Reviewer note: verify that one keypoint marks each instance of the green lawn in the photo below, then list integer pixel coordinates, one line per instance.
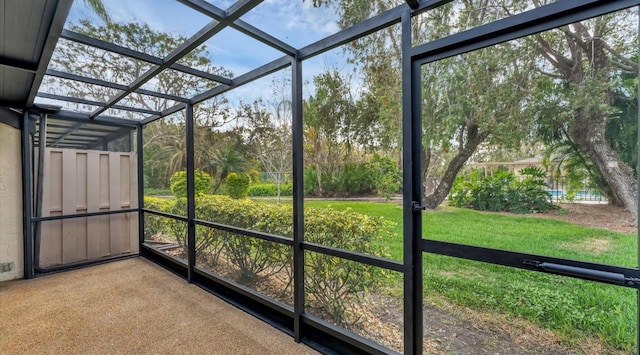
(574, 308)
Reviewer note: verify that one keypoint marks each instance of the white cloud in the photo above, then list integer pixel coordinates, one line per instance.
(165, 16)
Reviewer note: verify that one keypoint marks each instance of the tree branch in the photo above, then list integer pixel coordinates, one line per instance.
(555, 76)
(630, 63)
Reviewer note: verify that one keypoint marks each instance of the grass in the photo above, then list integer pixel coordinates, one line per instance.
(575, 309)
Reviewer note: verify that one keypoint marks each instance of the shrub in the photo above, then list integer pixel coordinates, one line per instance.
(355, 179)
(254, 258)
(460, 194)
(157, 192)
(311, 183)
(380, 176)
(334, 286)
(178, 229)
(529, 195)
(258, 190)
(202, 186)
(262, 190)
(163, 228)
(503, 192)
(155, 226)
(237, 185)
(157, 203)
(385, 176)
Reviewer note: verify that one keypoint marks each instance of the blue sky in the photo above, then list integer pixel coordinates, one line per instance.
(295, 22)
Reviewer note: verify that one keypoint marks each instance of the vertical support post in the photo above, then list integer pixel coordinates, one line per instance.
(37, 227)
(27, 206)
(130, 141)
(412, 193)
(638, 197)
(140, 153)
(191, 203)
(417, 193)
(298, 197)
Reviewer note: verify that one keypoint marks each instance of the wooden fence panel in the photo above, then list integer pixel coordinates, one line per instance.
(88, 181)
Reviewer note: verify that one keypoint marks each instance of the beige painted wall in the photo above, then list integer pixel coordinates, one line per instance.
(11, 241)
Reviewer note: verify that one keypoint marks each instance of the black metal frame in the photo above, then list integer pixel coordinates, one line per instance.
(32, 192)
(302, 326)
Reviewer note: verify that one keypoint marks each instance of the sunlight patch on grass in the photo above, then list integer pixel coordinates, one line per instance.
(595, 246)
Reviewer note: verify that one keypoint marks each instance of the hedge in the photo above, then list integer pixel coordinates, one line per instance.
(269, 190)
(334, 287)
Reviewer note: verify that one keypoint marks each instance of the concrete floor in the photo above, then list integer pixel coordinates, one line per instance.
(127, 307)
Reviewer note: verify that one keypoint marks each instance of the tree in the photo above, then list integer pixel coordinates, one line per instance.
(570, 161)
(468, 100)
(276, 150)
(583, 60)
(622, 129)
(98, 7)
(270, 132)
(328, 119)
(226, 160)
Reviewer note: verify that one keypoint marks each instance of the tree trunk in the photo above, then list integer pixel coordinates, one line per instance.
(619, 176)
(588, 131)
(473, 140)
(589, 123)
(426, 162)
(319, 179)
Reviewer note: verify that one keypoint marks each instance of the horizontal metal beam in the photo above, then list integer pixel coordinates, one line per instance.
(85, 79)
(264, 300)
(111, 137)
(95, 103)
(64, 136)
(165, 113)
(354, 256)
(84, 118)
(10, 117)
(540, 19)
(358, 343)
(108, 84)
(175, 264)
(255, 74)
(364, 28)
(18, 104)
(19, 65)
(246, 232)
(107, 46)
(239, 9)
(519, 260)
(81, 264)
(243, 27)
(61, 126)
(166, 215)
(78, 139)
(82, 215)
